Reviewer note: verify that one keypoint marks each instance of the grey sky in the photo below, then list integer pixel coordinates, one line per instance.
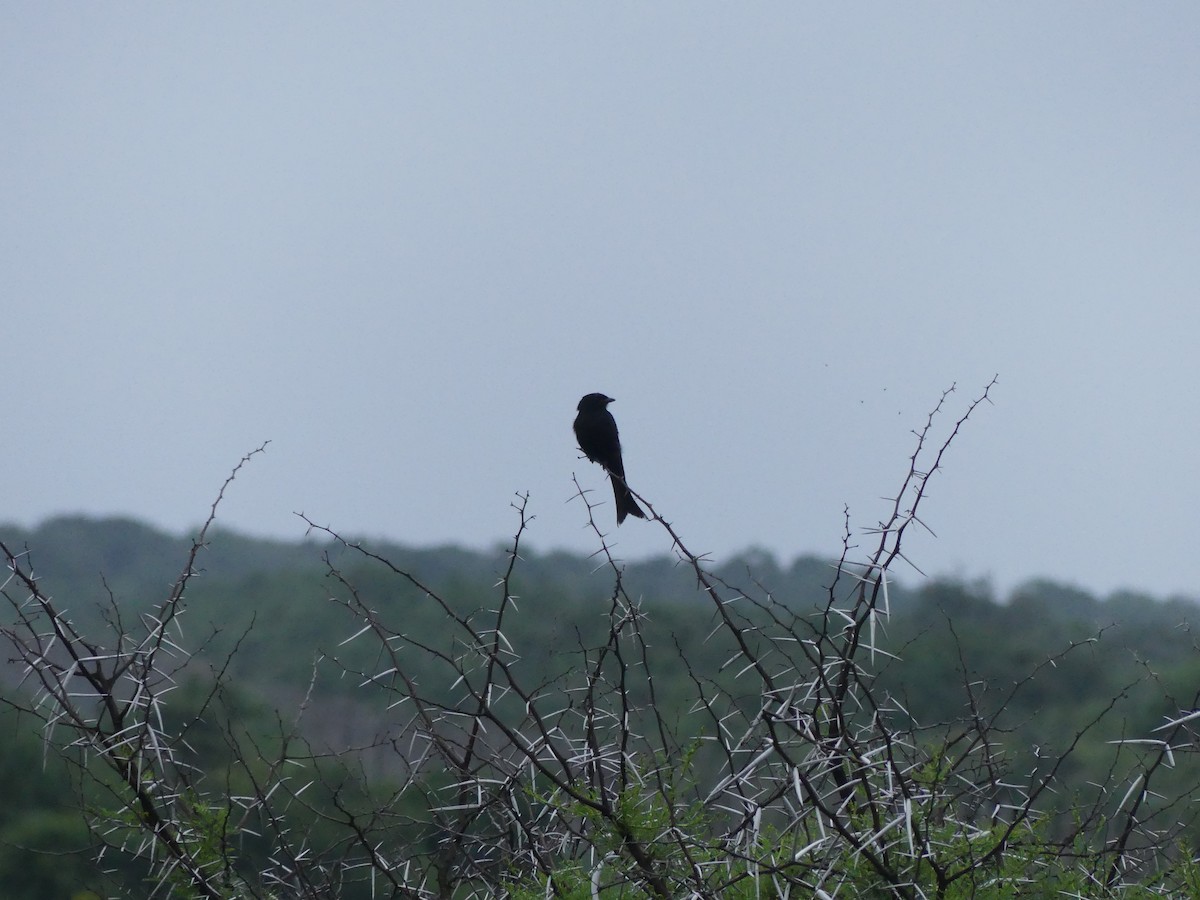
(401, 240)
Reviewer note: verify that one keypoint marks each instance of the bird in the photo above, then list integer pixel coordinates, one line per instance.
(596, 431)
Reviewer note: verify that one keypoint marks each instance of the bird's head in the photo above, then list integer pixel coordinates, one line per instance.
(591, 402)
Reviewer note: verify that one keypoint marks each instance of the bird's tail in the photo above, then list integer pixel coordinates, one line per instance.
(626, 505)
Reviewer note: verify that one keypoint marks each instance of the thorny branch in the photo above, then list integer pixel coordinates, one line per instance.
(792, 773)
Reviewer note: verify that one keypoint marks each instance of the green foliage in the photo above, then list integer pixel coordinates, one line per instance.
(45, 853)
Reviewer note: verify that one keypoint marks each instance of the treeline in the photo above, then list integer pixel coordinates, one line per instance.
(271, 618)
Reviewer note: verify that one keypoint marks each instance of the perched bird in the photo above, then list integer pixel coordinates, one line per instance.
(596, 431)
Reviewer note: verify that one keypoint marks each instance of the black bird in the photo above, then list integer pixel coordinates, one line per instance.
(596, 431)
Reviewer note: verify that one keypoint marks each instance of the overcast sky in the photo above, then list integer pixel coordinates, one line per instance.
(400, 240)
